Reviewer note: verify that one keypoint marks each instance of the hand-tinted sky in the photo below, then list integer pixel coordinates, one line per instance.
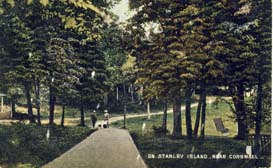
(122, 10)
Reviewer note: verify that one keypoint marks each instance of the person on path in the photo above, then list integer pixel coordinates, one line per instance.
(106, 119)
(94, 118)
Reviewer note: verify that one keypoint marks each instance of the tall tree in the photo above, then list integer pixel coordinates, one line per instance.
(208, 57)
(92, 83)
(239, 59)
(114, 41)
(60, 61)
(16, 49)
(262, 12)
(165, 70)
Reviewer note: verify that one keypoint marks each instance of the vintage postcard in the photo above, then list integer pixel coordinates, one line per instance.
(135, 84)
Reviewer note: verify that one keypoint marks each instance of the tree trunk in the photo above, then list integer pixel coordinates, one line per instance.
(124, 105)
(62, 120)
(259, 103)
(241, 113)
(13, 109)
(29, 105)
(117, 95)
(124, 114)
(177, 129)
(148, 110)
(198, 113)
(188, 112)
(105, 99)
(203, 115)
(82, 116)
(38, 102)
(133, 93)
(51, 106)
(164, 120)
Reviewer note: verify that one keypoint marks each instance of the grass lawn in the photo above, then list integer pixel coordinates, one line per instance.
(26, 146)
(150, 143)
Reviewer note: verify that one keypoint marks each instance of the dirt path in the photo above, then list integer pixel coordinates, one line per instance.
(114, 119)
(73, 121)
(106, 148)
(210, 100)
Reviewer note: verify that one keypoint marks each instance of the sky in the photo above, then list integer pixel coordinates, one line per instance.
(122, 10)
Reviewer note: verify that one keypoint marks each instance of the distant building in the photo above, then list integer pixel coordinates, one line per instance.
(2, 95)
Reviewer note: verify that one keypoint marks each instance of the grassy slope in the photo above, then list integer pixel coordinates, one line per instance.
(150, 143)
(26, 145)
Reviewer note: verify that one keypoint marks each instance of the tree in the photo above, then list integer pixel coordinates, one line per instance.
(239, 59)
(92, 82)
(181, 54)
(155, 72)
(113, 39)
(207, 57)
(60, 66)
(16, 49)
(41, 27)
(261, 11)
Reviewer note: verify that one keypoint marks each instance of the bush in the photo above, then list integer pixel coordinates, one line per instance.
(159, 130)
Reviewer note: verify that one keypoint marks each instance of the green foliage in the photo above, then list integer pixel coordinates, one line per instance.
(182, 52)
(27, 144)
(115, 56)
(218, 43)
(15, 49)
(92, 82)
(55, 44)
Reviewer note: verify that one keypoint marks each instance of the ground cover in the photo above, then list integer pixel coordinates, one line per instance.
(23, 145)
(151, 144)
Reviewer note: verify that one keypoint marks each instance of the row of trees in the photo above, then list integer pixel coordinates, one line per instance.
(169, 48)
(195, 45)
(57, 48)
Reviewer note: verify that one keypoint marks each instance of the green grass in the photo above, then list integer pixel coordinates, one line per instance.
(148, 142)
(24, 145)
